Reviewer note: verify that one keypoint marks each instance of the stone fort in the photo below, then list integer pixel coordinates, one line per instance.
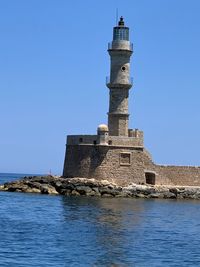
(117, 153)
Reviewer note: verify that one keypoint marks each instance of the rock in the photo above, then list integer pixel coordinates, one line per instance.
(75, 193)
(156, 195)
(83, 190)
(32, 190)
(48, 189)
(131, 191)
(178, 197)
(2, 187)
(81, 182)
(65, 186)
(106, 195)
(96, 191)
(174, 191)
(107, 190)
(17, 188)
(123, 194)
(57, 185)
(126, 193)
(92, 194)
(105, 182)
(140, 195)
(170, 195)
(65, 192)
(33, 184)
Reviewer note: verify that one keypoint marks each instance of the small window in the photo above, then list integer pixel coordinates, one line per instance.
(125, 159)
(123, 68)
(94, 142)
(110, 142)
(81, 140)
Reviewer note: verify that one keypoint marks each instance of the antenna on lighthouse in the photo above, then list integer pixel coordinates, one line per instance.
(116, 15)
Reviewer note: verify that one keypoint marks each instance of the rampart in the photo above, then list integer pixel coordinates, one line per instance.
(135, 139)
(116, 164)
(122, 164)
(179, 175)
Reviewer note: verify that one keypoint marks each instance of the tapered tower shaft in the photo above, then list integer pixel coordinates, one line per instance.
(119, 82)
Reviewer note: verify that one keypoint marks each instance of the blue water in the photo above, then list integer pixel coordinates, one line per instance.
(43, 230)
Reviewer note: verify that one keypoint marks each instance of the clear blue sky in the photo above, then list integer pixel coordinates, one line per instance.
(53, 64)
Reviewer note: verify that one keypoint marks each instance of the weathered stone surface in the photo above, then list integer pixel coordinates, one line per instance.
(75, 193)
(32, 190)
(65, 192)
(107, 195)
(83, 190)
(48, 189)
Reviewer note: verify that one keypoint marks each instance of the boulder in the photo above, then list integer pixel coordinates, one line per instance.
(75, 193)
(48, 189)
(83, 190)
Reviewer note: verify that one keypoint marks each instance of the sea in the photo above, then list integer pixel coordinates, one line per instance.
(48, 230)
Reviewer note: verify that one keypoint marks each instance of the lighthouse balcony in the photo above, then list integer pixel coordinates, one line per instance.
(122, 83)
(120, 45)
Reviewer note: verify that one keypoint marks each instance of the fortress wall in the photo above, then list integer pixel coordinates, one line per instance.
(119, 165)
(150, 167)
(115, 140)
(124, 165)
(172, 175)
(179, 175)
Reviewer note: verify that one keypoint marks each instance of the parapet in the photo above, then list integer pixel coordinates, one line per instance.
(82, 139)
(135, 139)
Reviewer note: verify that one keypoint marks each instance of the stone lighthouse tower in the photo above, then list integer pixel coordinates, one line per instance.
(119, 82)
(115, 153)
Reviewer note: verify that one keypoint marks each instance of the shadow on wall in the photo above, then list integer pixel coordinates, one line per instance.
(97, 156)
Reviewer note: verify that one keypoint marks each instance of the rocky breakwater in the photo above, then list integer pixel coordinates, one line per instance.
(92, 187)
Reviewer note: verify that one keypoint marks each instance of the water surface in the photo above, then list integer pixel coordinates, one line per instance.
(43, 230)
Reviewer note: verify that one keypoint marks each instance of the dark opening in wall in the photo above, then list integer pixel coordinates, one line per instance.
(123, 68)
(80, 140)
(110, 142)
(150, 178)
(95, 142)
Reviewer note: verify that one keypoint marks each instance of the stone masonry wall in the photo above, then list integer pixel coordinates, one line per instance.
(179, 175)
(124, 165)
(172, 175)
(119, 165)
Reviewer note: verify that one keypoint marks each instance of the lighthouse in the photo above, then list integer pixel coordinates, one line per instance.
(115, 153)
(119, 82)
